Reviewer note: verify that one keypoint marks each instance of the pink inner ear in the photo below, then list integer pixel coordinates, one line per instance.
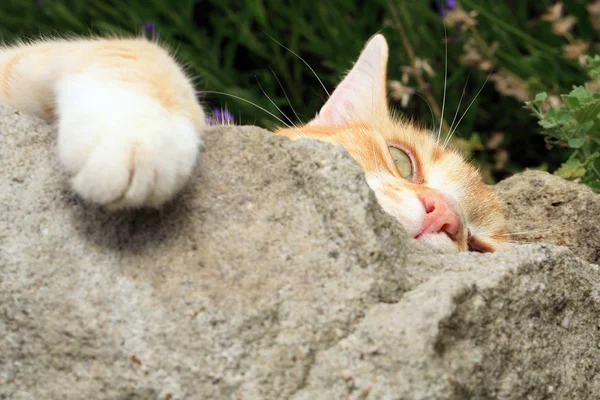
(339, 109)
(361, 96)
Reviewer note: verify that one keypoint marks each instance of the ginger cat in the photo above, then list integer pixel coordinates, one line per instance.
(130, 125)
(432, 191)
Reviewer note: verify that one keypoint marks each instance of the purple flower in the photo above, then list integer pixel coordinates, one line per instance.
(220, 116)
(40, 3)
(443, 7)
(150, 30)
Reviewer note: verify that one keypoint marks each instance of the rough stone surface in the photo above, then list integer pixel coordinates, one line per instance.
(553, 210)
(274, 275)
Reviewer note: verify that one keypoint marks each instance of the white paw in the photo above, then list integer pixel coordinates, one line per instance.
(123, 149)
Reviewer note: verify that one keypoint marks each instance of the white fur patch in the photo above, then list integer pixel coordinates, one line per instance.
(123, 148)
(439, 241)
(406, 207)
(437, 179)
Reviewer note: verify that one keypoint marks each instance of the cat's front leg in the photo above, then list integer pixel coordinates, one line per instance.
(129, 123)
(123, 148)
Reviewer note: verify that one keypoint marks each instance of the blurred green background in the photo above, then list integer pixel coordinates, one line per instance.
(520, 47)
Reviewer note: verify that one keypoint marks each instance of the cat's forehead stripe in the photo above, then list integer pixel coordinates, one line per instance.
(437, 154)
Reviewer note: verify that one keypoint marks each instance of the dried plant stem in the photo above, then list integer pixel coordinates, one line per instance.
(423, 86)
(479, 39)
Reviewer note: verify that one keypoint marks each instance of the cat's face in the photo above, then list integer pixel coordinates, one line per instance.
(438, 197)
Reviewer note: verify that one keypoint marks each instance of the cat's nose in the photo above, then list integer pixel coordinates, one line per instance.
(440, 215)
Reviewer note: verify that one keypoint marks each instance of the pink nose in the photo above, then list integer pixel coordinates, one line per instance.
(441, 215)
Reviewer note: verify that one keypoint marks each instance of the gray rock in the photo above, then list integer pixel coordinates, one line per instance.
(274, 275)
(553, 210)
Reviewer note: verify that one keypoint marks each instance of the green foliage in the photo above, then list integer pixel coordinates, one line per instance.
(576, 125)
(231, 47)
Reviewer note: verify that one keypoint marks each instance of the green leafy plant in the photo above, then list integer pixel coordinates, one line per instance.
(576, 125)
(499, 54)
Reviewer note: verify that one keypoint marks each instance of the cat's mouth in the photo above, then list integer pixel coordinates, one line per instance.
(451, 235)
(451, 243)
(419, 236)
(443, 241)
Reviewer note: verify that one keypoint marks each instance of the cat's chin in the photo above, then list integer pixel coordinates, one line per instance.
(439, 241)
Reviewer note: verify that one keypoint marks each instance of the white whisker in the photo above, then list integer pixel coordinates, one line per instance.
(275, 105)
(527, 232)
(459, 102)
(445, 82)
(467, 110)
(249, 102)
(433, 128)
(285, 94)
(301, 59)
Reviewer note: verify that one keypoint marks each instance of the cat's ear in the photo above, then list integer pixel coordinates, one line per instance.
(362, 95)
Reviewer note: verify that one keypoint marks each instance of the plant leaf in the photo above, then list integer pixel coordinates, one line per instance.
(576, 143)
(540, 97)
(571, 169)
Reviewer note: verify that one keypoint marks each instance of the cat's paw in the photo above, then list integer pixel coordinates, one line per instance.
(122, 148)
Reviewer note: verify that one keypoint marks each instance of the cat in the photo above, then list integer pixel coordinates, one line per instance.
(130, 126)
(439, 198)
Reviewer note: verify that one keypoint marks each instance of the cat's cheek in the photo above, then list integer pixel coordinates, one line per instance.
(407, 210)
(487, 244)
(441, 242)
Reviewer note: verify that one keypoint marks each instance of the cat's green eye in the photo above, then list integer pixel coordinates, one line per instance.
(402, 161)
